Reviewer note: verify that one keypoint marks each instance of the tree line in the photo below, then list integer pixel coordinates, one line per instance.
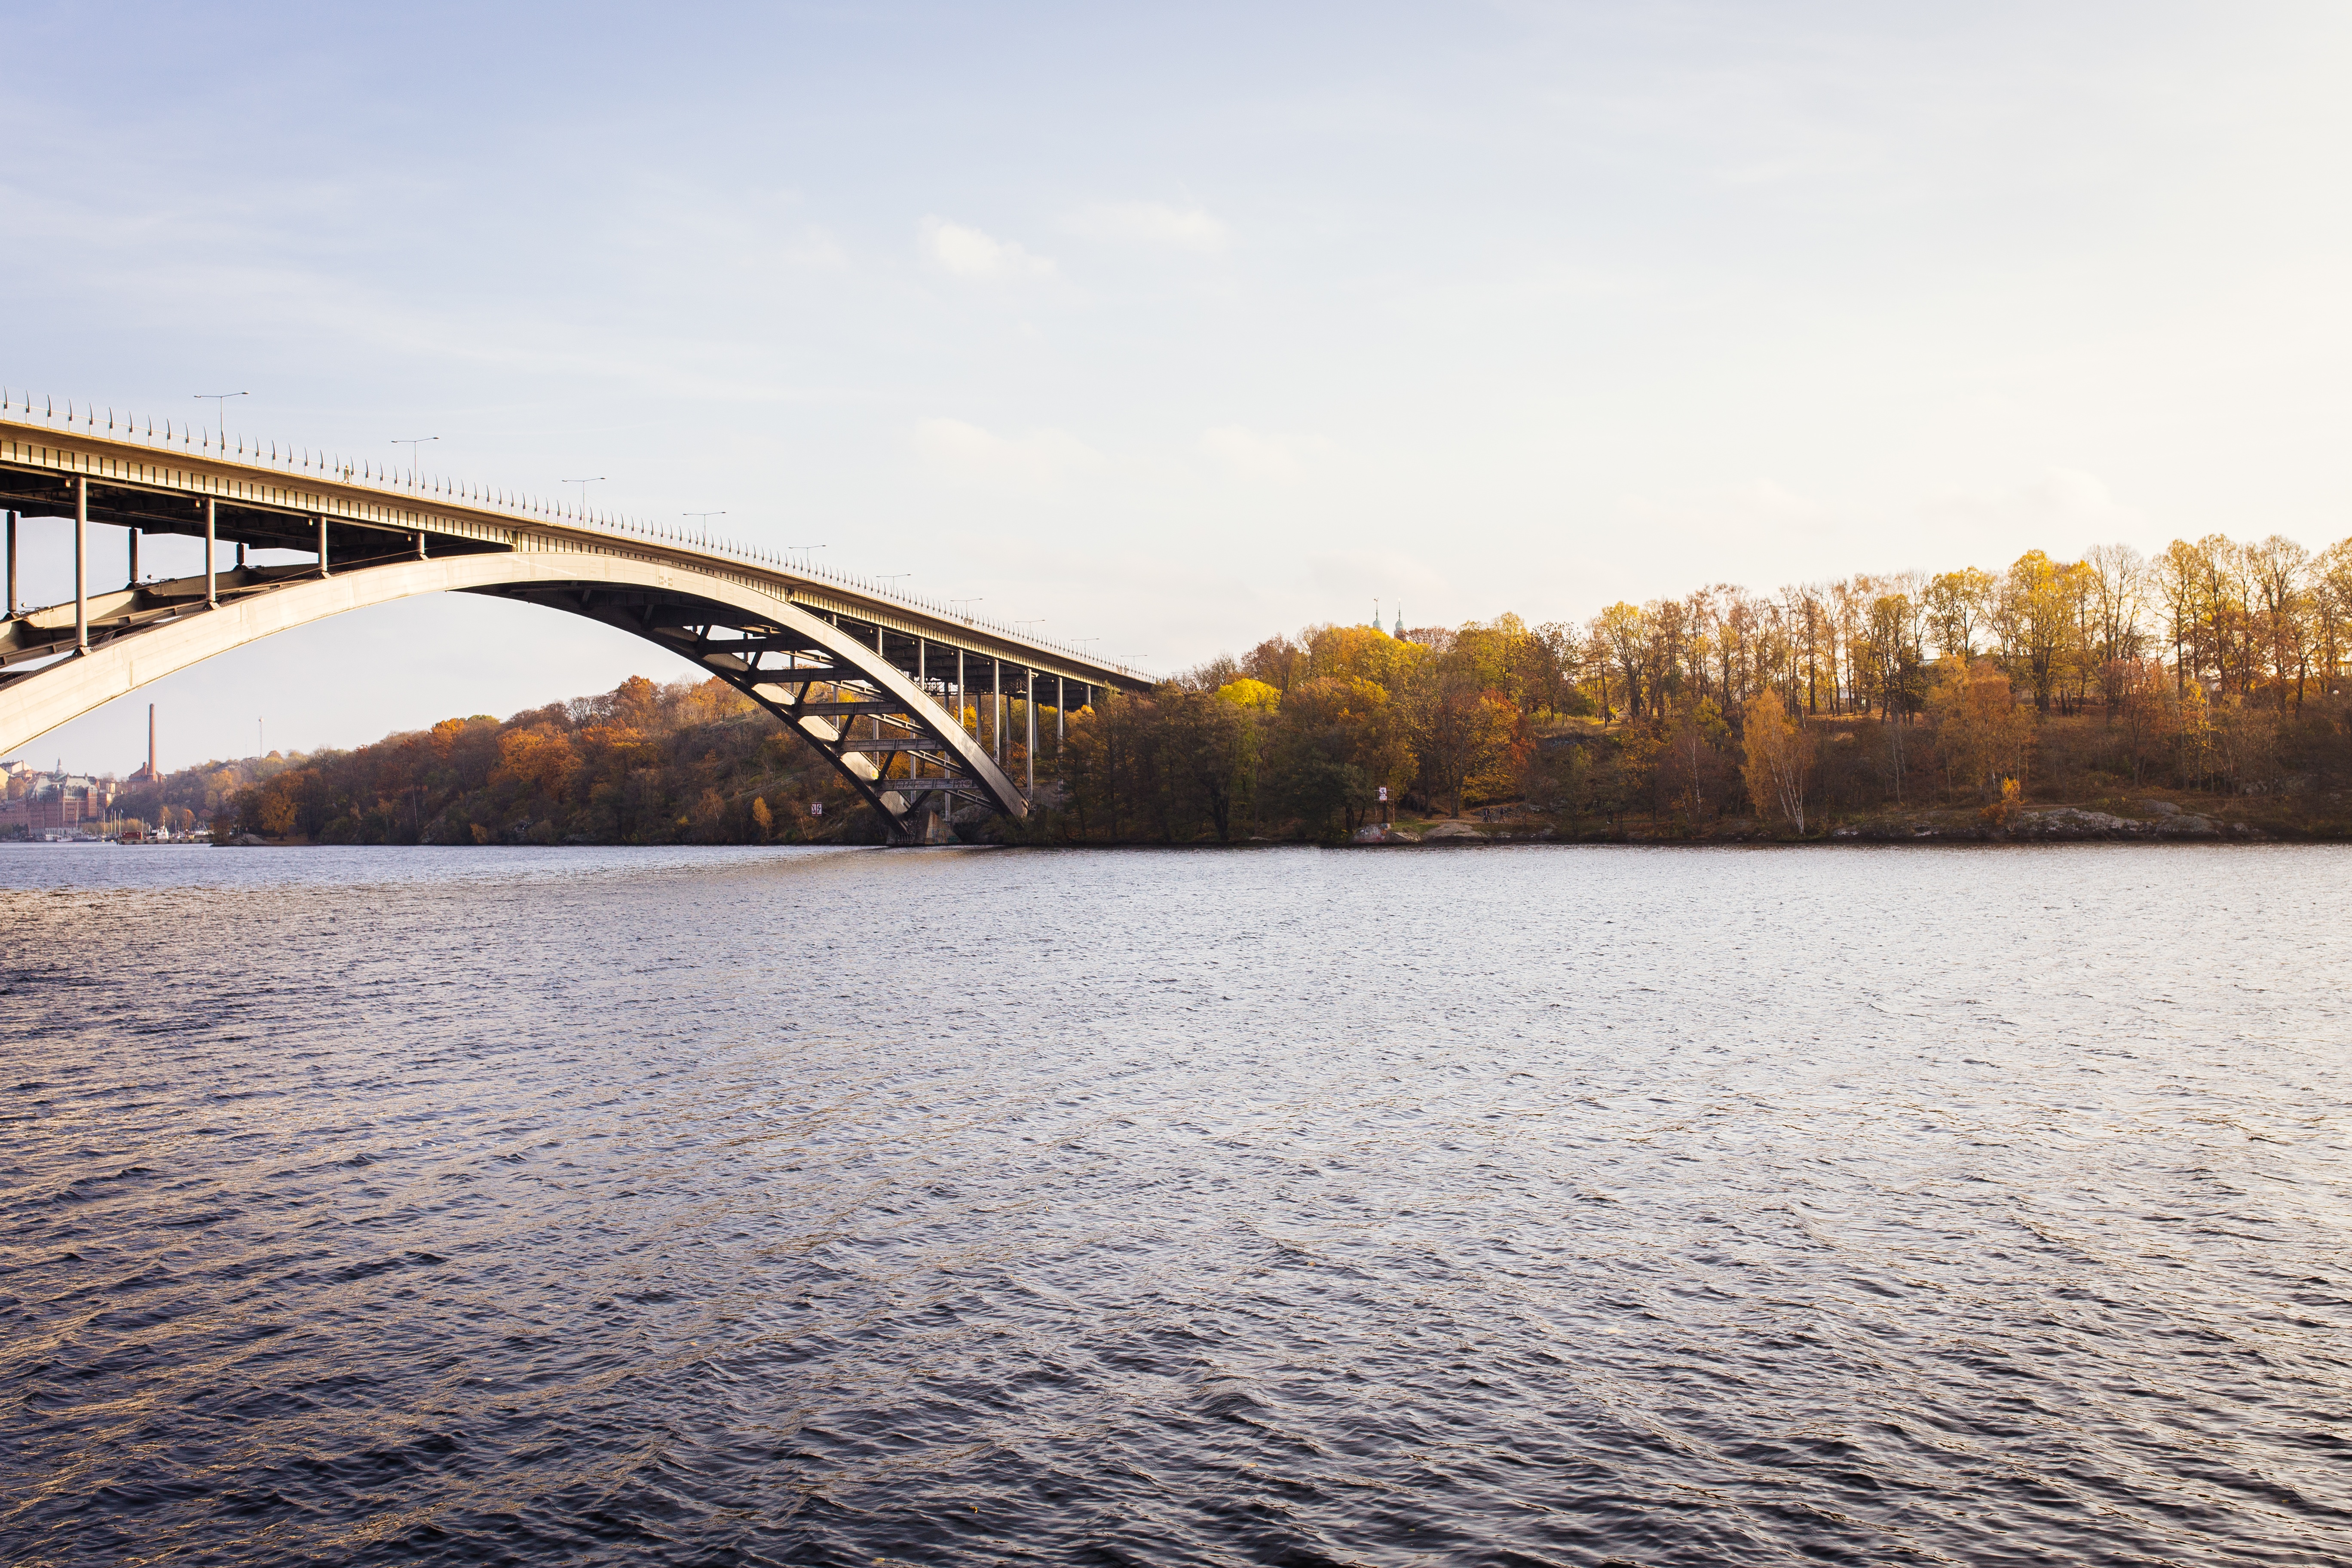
(687, 763)
(2213, 666)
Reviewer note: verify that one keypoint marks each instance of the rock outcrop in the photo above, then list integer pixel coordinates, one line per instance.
(2052, 825)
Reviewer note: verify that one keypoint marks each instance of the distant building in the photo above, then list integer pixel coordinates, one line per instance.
(40, 804)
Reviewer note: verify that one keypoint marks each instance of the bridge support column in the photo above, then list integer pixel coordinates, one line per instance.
(322, 545)
(420, 544)
(959, 690)
(1060, 711)
(996, 702)
(11, 565)
(212, 554)
(1029, 701)
(133, 581)
(81, 565)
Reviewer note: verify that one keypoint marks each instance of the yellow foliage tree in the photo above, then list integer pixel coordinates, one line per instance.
(1984, 735)
(1255, 695)
(1779, 762)
(540, 760)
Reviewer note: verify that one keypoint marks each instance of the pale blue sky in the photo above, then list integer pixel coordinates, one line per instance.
(1187, 325)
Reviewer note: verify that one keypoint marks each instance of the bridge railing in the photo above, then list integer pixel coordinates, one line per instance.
(200, 441)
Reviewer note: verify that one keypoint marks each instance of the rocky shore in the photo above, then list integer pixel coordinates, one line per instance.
(2149, 821)
(2050, 825)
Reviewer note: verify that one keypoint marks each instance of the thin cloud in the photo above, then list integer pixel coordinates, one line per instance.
(1254, 455)
(1153, 222)
(967, 252)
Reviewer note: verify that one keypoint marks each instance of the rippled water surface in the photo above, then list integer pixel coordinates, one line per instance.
(1514, 1205)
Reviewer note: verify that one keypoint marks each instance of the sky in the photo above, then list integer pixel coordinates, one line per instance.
(1180, 326)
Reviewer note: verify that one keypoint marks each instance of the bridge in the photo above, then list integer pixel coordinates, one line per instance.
(915, 706)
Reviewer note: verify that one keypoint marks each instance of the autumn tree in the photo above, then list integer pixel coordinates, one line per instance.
(2277, 566)
(1694, 759)
(1956, 603)
(1458, 730)
(2030, 612)
(1316, 773)
(2143, 707)
(1620, 640)
(1777, 759)
(1980, 731)
(2118, 579)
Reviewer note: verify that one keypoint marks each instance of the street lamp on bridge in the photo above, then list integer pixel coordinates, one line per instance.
(413, 443)
(220, 408)
(584, 485)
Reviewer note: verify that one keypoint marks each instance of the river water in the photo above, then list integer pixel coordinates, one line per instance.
(1506, 1205)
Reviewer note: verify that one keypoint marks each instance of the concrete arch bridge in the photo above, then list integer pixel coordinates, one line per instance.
(915, 706)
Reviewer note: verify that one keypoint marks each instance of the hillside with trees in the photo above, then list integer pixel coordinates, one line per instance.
(2210, 677)
(2212, 673)
(689, 762)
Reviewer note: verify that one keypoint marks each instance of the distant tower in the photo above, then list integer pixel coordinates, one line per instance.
(1399, 631)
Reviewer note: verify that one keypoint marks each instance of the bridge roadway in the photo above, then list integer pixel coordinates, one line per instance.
(911, 704)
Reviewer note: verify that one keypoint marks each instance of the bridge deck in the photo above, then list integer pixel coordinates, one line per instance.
(167, 484)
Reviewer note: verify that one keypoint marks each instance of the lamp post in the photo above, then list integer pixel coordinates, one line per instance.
(584, 485)
(413, 443)
(701, 517)
(220, 410)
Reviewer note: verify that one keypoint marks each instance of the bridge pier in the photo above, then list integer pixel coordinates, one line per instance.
(81, 565)
(212, 554)
(11, 565)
